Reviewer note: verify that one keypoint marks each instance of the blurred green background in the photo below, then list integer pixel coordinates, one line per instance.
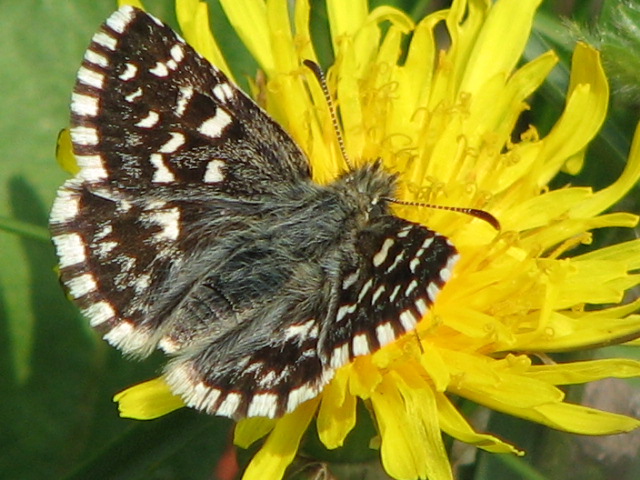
(57, 377)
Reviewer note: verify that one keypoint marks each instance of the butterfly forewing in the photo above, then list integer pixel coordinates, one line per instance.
(149, 114)
(148, 111)
(193, 226)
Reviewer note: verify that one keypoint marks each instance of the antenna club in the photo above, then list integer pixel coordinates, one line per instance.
(473, 212)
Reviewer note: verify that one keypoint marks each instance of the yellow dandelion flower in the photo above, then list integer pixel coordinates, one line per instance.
(443, 120)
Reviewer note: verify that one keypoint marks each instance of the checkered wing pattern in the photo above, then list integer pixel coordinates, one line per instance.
(193, 226)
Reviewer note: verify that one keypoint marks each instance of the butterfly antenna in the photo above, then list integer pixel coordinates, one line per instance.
(473, 212)
(317, 71)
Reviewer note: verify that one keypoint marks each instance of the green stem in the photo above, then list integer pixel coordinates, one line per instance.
(521, 467)
(24, 229)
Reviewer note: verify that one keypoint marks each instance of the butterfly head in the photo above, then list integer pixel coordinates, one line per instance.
(368, 187)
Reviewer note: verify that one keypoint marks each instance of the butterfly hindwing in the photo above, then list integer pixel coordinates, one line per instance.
(290, 347)
(385, 289)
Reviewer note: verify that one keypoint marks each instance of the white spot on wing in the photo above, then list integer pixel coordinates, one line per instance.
(149, 121)
(90, 77)
(263, 405)
(71, 249)
(207, 397)
(445, 273)
(299, 395)
(433, 291)
(169, 220)
(360, 345)
(339, 356)
(84, 105)
(96, 58)
(223, 92)
(132, 96)
(422, 306)
(302, 330)
(177, 52)
(175, 142)
(426, 244)
(268, 379)
(229, 405)
(66, 206)
(365, 289)
(142, 283)
(183, 99)
(214, 126)
(159, 70)
(104, 232)
(394, 293)
(413, 264)
(412, 286)
(162, 173)
(119, 20)
(381, 256)
(214, 173)
(128, 338)
(105, 248)
(91, 167)
(84, 135)
(408, 320)
(404, 232)
(396, 262)
(350, 279)
(105, 40)
(168, 345)
(385, 334)
(344, 310)
(81, 285)
(99, 313)
(376, 295)
(130, 72)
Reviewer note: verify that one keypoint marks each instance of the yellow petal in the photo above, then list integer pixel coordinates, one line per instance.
(565, 333)
(610, 195)
(411, 443)
(578, 419)
(303, 34)
(248, 430)
(282, 444)
(435, 366)
(364, 377)
(497, 383)
(454, 424)
(193, 17)
(415, 86)
(500, 42)
(345, 18)
(64, 153)
(587, 371)
(147, 400)
(282, 42)
(249, 20)
(628, 252)
(337, 414)
(589, 92)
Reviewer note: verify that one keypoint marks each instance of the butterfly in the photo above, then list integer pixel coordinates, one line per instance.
(194, 227)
